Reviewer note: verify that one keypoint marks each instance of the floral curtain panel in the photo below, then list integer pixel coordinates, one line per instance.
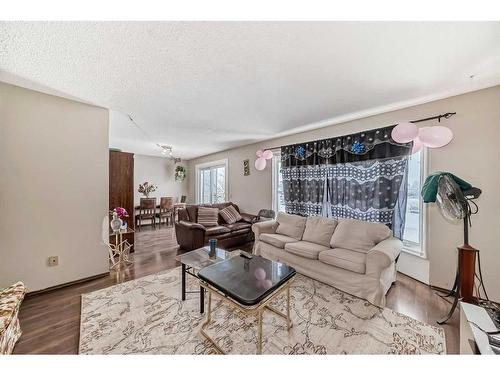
(354, 176)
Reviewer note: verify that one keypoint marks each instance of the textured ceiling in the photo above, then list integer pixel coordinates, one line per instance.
(208, 86)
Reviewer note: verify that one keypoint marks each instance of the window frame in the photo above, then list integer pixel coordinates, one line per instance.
(275, 178)
(216, 163)
(410, 247)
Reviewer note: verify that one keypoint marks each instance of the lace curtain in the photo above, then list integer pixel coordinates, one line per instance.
(354, 176)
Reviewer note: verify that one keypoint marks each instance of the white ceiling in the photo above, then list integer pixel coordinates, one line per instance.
(208, 86)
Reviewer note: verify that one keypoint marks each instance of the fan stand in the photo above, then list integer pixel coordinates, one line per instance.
(463, 287)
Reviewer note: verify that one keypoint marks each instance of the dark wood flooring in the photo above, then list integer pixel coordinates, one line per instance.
(50, 321)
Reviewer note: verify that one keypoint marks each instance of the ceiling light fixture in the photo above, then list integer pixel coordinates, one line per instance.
(165, 149)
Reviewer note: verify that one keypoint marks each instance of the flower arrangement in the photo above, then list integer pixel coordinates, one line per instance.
(146, 188)
(120, 212)
(116, 222)
(180, 173)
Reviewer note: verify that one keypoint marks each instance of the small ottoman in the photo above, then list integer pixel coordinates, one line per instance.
(10, 330)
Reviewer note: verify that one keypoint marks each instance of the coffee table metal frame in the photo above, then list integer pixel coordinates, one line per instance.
(193, 271)
(256, 309)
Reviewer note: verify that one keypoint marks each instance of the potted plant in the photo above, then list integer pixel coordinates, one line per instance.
(146, 188)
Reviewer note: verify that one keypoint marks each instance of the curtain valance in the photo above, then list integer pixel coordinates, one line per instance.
(366, 145)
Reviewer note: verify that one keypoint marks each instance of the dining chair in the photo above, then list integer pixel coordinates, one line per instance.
(147, 211)
(183, 199)
(166, 210)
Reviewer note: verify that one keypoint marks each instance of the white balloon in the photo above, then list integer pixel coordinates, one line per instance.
(435, 136)
(404, 132)
(260, 164)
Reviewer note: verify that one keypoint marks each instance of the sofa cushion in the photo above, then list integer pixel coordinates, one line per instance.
(208, 216)
(319, 230)
(305, 249)
(230, 214)
(358, 235)
(277, 240)
(291, 225)
(347, 259)
(219, 229)
(238, 226)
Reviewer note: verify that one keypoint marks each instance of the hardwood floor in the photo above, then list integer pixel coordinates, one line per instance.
(50, 321)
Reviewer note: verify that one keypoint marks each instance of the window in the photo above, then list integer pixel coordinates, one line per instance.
(413, 233)
(211, 182)
(278, 197)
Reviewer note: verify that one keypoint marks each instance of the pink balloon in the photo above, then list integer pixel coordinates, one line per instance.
(260, 164)
(417, 145)
(259, 153)
(268, 154)
(435, 136)
(260, 274)
(404, 132)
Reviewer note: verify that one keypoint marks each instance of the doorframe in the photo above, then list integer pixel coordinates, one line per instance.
(215, 163)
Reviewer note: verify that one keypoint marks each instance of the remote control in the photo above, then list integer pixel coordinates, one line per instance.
(245, 255)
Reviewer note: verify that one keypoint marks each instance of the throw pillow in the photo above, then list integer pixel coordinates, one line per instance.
(230, 214)
(208, 216)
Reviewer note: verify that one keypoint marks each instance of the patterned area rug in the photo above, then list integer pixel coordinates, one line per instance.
(147, 316)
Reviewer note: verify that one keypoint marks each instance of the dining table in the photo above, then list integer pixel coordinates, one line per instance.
(176, 206)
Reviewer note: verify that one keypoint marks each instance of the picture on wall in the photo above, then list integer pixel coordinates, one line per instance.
(246, 167)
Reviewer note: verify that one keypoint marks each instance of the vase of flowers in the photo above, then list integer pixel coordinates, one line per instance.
(118, 214)
(146, 188)
(180, 173)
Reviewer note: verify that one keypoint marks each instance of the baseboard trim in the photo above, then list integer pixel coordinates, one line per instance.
(411, 277)
(59, 286)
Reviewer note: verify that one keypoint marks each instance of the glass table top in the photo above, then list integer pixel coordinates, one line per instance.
(247, 281)
(200, 258)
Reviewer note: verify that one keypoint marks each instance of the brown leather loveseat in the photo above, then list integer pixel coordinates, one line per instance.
(192, 235)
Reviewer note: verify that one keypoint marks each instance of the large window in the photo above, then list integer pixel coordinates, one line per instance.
(211, 182)
(278, 197)
(414, 223)
(413, 233)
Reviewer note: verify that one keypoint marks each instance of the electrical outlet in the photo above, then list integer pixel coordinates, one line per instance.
(53, 261)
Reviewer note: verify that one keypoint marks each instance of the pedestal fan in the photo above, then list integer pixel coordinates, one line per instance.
(457, 204)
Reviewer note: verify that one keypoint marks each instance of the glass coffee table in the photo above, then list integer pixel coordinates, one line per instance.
(192, 262)
(249, 283)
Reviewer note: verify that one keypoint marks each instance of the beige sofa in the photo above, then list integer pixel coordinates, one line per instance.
(357, 257)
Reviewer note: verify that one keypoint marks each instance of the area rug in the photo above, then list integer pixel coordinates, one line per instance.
(147, 316)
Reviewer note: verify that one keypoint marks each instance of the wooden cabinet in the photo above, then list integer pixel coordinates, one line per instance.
(121, 187)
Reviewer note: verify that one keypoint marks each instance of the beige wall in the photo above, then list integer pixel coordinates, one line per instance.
(161, 172)
(53, 188)
(474, 155)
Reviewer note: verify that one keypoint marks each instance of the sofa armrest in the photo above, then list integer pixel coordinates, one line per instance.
(249, 218)
(190, 236)
(190, 225)
(382, 255)
(264, 227)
